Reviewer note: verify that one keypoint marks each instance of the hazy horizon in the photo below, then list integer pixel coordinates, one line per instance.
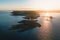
(30, 4)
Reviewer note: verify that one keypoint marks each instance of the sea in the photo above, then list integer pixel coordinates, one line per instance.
(49, 30)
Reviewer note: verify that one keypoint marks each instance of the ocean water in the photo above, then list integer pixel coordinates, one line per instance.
(50, 30)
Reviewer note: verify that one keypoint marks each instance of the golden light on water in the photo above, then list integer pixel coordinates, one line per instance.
(45, 30)
(47, 14)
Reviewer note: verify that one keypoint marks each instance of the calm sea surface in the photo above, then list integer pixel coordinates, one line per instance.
(50, 30)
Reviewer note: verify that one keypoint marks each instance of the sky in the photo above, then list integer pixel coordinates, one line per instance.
(30, 4)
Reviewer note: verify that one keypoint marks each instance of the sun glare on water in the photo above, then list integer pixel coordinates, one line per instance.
(47, 14)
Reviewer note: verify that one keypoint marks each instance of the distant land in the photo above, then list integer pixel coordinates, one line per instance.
(31, 9)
